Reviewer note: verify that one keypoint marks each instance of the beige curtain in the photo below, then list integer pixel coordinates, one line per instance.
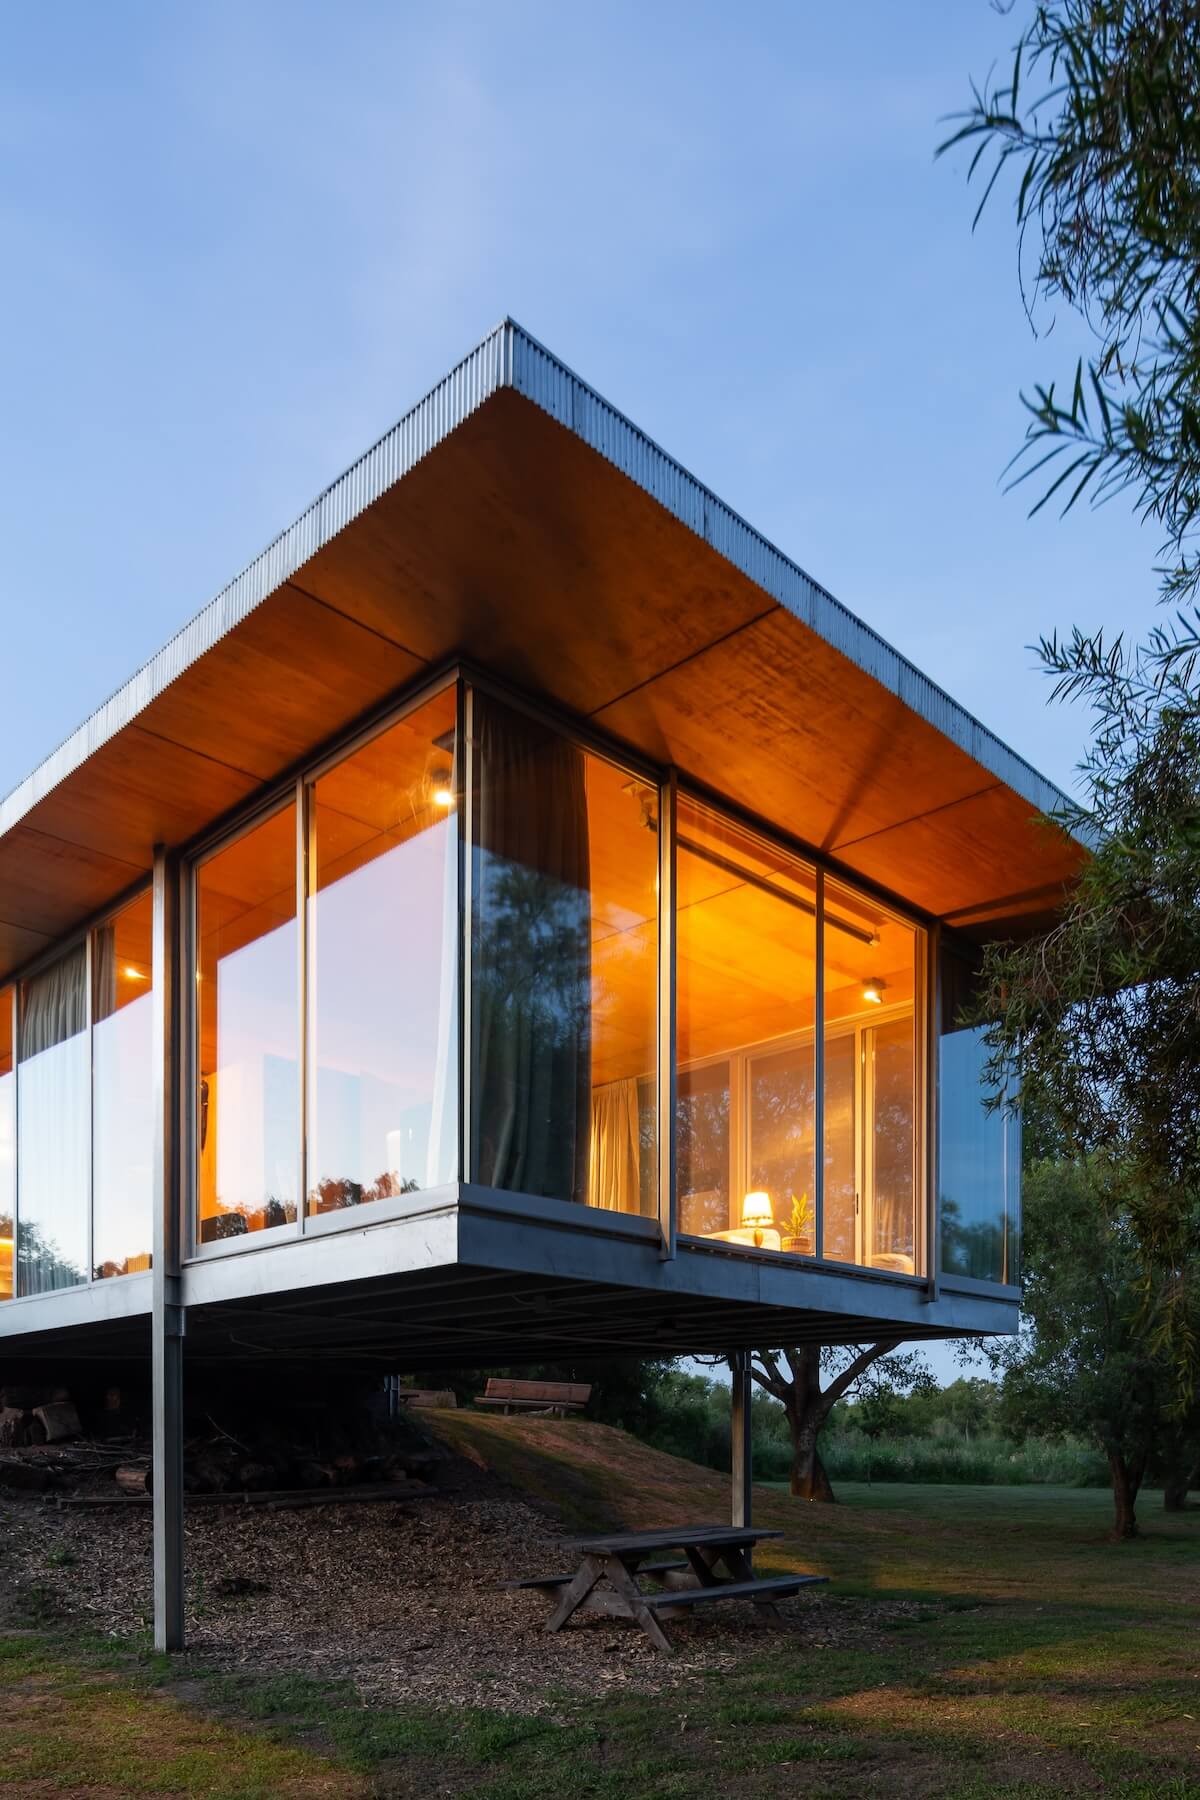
(614, 1173)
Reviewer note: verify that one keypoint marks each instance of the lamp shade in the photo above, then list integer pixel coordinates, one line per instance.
(756, 1209)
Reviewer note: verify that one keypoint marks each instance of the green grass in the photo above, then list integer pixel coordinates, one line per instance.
(1030, 1659)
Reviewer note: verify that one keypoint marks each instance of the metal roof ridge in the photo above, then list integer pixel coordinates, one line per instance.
(510, 356)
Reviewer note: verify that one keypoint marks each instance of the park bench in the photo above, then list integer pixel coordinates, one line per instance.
(552, 1397)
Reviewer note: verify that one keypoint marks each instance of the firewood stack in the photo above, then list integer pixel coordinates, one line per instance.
(242, 1448)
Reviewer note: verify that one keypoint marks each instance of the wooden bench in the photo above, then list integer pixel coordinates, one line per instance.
(550, 1584)
(765, 1587)
(556, 1398)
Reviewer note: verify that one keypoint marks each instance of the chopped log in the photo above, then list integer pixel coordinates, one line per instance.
(135, 1479)
(59, 1420)
(14, 1427)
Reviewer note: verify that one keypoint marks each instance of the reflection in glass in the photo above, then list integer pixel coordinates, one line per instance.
(702, 1132)
(746, 986)
(247, 1106)
(892, 1210)
(8, 1144)
(383, 966)
(841, 1146)
(122, 1092)
(564, 966)
(979, 1150)
(782, 1140)
(873, 1203)
(53, 1107)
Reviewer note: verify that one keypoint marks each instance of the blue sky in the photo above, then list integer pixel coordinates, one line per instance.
(242, 239)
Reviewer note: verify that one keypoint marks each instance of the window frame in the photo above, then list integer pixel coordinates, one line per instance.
(83, 933)
(671, 785)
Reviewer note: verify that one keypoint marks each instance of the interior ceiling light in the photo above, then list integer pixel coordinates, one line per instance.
(873, 988)
(443, 793)
(132, 974)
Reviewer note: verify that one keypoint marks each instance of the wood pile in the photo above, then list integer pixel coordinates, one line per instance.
(263, 1451)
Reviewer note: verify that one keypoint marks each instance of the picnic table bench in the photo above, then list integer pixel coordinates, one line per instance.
(555, 1397)
(620, 1559)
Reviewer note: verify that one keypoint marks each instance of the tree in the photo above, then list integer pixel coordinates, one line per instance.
(850, 1370)
(1088, 1357)
(1099, 122)
(1099, 1019)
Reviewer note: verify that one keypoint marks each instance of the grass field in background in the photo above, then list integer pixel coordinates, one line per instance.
(1033, 1659)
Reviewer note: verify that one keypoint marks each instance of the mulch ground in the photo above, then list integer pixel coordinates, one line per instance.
(406, 1600)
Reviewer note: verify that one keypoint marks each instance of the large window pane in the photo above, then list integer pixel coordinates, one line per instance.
(247, 1107)
(873, 1188)
(8, 1145)
(746, 982)
(564, 967)
(53, 1107)
(979, 1149)
(122, 1092)
(383, 966)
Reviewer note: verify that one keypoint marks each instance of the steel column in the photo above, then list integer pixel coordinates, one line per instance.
(741, 1457)
(166, 1324)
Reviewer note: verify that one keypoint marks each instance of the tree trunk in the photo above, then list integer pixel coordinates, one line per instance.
(806, 1415)
(1125, 1483)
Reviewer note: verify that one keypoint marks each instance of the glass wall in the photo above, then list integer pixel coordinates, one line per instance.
(745, 1116)
(782, 1143)
(383, 960)
(748, 918)
(122, 1092)
(874, 1193)
(53, 1127)
(564, 967)
(247, 985)
(979, 1147)
(8, 1145)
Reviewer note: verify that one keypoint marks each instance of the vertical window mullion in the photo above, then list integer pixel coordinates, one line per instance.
(819, 1074)
(303, 877)
(89, 1018)
(464, 726)
(667, 1013)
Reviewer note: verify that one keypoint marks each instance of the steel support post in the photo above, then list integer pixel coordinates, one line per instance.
(166, 1325)
(739, 1437)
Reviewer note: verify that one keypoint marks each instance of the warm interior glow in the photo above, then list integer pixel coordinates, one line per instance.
(132, 974)
(873, 990)
(443, 796)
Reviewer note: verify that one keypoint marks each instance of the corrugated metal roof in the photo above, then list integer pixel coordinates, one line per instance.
(510, 358)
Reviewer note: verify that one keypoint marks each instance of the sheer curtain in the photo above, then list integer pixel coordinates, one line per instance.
(615, 1174)
(530, 958)
(53, 1111)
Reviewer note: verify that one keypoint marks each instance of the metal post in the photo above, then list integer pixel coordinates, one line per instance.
(741, 1460)
(166, 1324)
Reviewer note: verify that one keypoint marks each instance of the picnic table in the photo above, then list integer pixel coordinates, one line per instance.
(611, 1566)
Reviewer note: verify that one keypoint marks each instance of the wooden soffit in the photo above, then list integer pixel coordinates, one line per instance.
(518, 544)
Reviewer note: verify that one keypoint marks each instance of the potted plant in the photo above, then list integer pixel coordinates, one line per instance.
(798, 1234)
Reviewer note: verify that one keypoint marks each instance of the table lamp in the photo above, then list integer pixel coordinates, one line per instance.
(756, 1212)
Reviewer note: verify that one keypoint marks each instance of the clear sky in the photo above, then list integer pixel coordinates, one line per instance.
(241, 239)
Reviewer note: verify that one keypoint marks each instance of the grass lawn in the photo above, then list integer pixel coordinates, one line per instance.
(1033, 1659)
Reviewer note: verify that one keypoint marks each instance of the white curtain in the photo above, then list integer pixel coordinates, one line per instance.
(53, 1114)
(614, 1175)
